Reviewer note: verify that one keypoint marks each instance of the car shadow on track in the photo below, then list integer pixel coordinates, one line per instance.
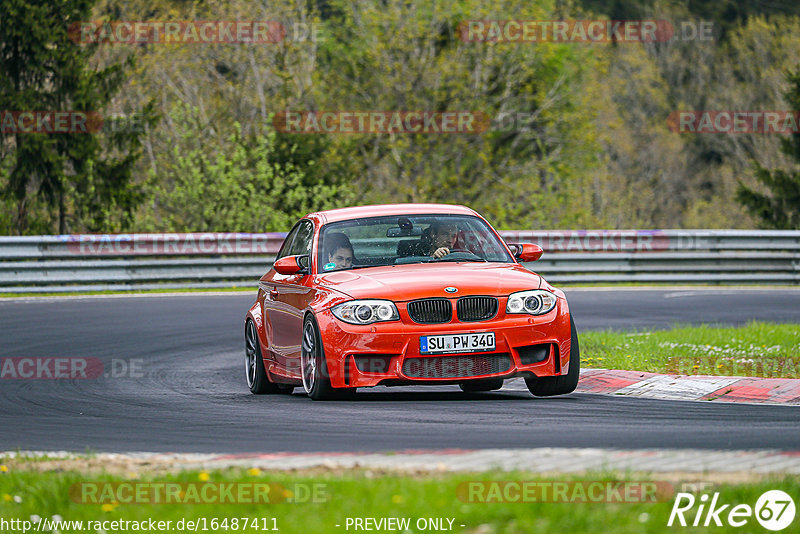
(445, 396)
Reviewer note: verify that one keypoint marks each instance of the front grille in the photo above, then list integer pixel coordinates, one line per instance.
(456, 366)
(430, 311)
(476, 308)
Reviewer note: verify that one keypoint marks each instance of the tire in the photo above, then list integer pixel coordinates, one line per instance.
(255, 375)
(548, 386)
(474, 386)
(314, 368)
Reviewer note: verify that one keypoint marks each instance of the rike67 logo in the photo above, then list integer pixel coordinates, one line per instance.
(774, 510)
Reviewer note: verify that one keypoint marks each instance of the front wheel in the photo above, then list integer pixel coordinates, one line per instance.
(316, 380)
(548, 386)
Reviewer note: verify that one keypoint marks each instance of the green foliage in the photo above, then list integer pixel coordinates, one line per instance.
(726, 14)
(409, 56)
(591, 146)
(246, 185)
(779, 207)
(73, 174)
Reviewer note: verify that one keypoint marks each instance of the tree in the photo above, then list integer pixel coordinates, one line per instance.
(780, 207)
(410, 56)
(86, 178)
(254, 183)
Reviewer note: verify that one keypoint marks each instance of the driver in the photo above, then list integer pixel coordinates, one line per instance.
(443, 239)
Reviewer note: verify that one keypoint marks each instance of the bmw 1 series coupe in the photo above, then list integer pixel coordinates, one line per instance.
(406, 294)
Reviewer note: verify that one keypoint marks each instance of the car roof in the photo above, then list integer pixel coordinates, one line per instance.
(357, 212)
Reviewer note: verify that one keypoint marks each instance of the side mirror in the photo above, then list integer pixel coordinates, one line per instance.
(291, 265)
(526, 251)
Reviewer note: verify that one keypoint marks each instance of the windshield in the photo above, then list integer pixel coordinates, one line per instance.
(397, 240)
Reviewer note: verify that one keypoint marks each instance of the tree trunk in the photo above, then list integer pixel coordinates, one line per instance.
(62, 227)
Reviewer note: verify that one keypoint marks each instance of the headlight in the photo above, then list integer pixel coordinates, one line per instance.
(536, 302)
(366, 311)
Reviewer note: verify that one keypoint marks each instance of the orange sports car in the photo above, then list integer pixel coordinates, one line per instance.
(406, 294)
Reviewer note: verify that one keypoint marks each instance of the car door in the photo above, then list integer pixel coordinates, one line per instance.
(287, 296)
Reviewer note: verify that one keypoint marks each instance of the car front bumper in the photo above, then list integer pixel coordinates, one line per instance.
(389, 353)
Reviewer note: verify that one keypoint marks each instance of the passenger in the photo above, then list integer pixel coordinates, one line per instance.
(339, 252)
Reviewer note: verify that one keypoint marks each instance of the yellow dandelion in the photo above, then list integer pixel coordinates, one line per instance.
(203, 476)
(397, 499)
(288, 494)
(254, 471)
(107, 507)
(3, 469)
(7, 497)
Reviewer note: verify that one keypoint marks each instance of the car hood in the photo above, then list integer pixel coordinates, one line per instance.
(407, 282)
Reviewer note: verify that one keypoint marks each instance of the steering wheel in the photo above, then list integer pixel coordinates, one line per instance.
(455, 251)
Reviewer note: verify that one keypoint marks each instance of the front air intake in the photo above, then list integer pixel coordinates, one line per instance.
(458, 366)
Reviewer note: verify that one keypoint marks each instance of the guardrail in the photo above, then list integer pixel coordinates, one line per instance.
(207, 260)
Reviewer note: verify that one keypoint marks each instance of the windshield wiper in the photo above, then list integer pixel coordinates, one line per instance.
(463, 259)
(366, 266)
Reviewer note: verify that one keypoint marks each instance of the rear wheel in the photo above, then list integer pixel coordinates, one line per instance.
(473, 386)
(256, 376)
(547, 386)
(316, 380)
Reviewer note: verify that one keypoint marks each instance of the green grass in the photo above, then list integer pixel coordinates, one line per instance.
(756, 349)
(662, 285)
(365, 494)
(234, 289)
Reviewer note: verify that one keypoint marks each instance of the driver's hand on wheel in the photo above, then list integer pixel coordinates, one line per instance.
(441, 252)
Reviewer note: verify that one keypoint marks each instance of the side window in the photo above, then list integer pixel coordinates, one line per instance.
(287, 243)
(302, 243)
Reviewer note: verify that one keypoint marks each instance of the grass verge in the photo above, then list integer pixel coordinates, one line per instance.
(234, 289)
(757, 349)
(301, 503)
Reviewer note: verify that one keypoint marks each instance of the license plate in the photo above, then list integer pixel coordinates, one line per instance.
(481, 342)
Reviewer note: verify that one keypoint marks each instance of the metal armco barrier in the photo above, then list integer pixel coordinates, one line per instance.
(219, 260)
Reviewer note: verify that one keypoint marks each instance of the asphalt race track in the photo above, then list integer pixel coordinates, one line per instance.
(189, 394)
